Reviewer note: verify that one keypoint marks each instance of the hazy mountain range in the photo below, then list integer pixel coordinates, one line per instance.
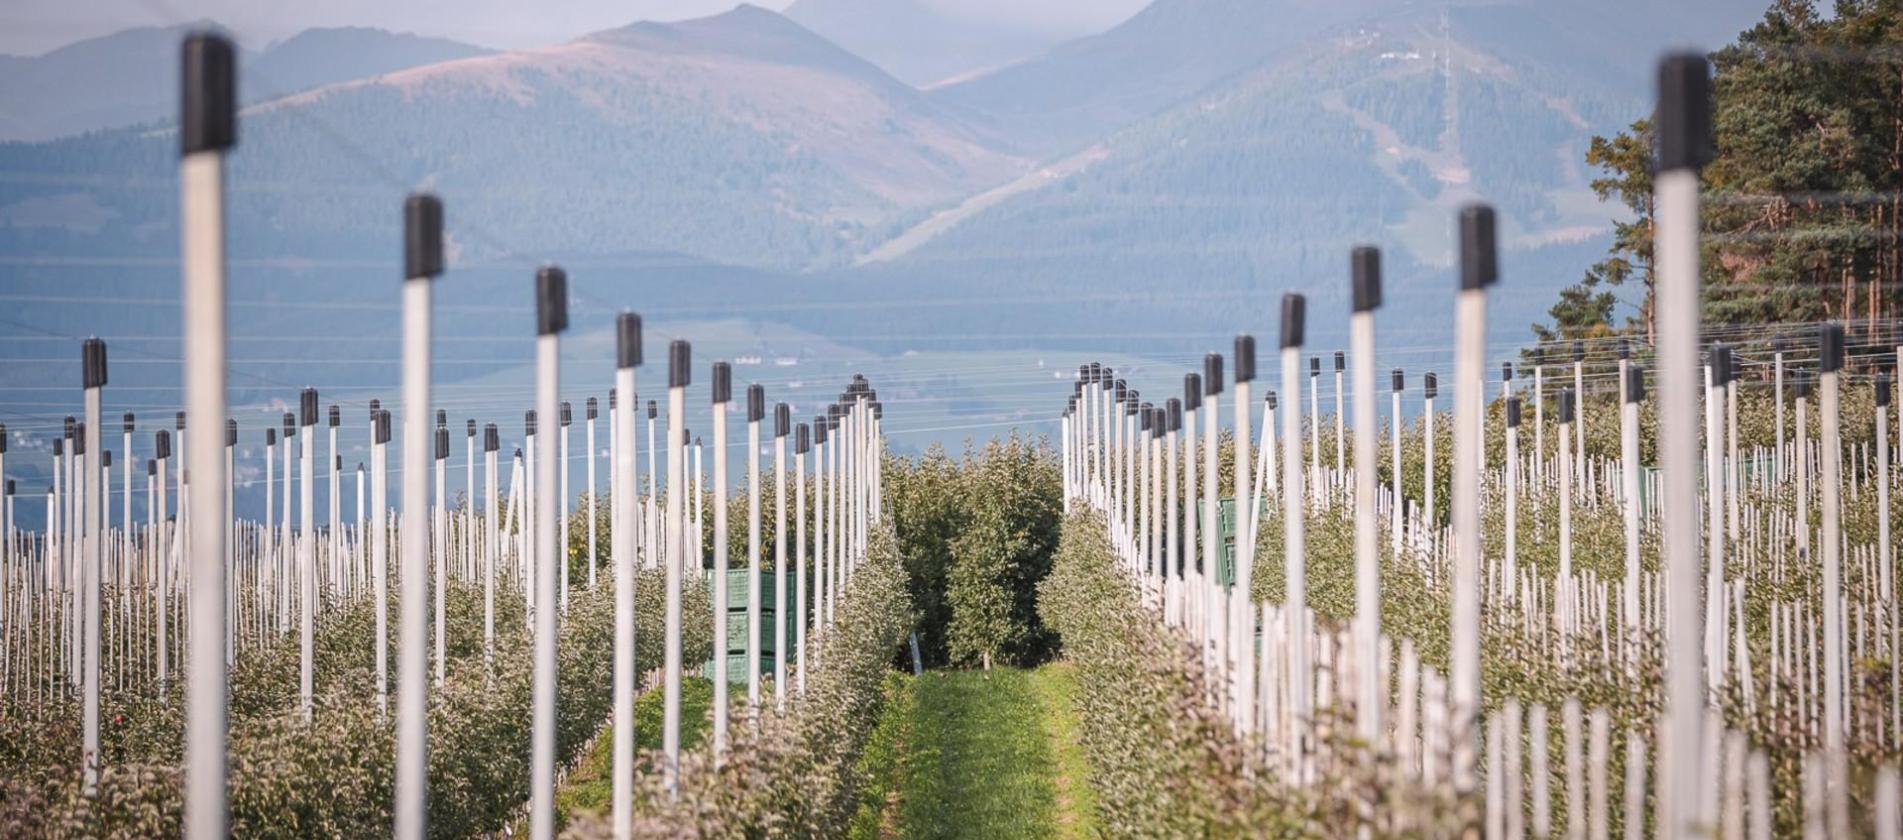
(863, 173)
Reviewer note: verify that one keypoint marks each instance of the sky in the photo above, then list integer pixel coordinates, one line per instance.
(31, 27)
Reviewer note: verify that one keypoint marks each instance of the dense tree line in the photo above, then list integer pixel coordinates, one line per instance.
(1802, 200)
(977, 534)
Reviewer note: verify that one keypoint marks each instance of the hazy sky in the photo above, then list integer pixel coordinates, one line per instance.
(30, 27)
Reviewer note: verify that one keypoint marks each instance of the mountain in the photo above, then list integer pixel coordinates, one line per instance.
(1165, 53)
(740, 138)
(317, 57)
(130, 77)
(914, 42)
(1375, 130)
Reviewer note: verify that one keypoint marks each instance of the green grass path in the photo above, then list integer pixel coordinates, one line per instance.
(977, 754)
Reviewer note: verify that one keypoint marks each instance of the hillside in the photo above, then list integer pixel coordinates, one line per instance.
(740, 138)
(914, 42)
(128, 78)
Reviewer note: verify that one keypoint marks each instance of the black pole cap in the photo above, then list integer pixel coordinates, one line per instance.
(151, 469)
(723, 383)
(802, 439)
(67, 426)
(680, 363)
(1314, 366)
(1634, 384)
(491, 438)
(1294, 312)
(612, 401)
(1513, 412)
(1174, 407)
(1131, 405)
(3, 438)
(1720, 358)
(79, 440)
(290, 425)
(422, 236)
(568, 413)
(442, 444)
(627, 340)
(1341, 361)
(383, 426)
(528, 422)
(1801, 383)
(58, 446)
(336, 417)
(178, 420)
(1506, 371)
(654, 410)
(208, 94)
(337, 462)
(782, 420)
(878, 410)
(1479, 255)
(307, 407)
(551, 300)
(1566, 405)
(1683, 122)
(1245, 358)
(756, 404)
(1579, 350)
(92, 363)
(1400, 381)
(1430, 385)
(442, 419)
(1830, 347)
(270, 436)
(129, 421)
(231, 433)
(593, 408)
(161, 444)
(472, 428)
(1883, 390)
(1269, 398)
(1143, 417)
(1192, 391)
(819, 431)
(1364, 267)
(376, 405)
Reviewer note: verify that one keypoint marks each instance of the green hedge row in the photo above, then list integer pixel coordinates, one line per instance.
(333, 776)
(796, 774)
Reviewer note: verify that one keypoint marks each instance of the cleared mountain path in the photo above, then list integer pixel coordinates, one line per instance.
(978, 754)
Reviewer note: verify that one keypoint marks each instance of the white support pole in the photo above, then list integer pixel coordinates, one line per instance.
(1478, 270)
(722, 395)
(423, 260)
(207, 127)
(1836, 761)
(1684, 123)
(621, 546)
(491, 543)
(782, 423)
(593, 496)
(1241, 603)
(1212, 538)
(93, 375)
(1365, 280)
(801, 443)
(756, 411)
(379, 558)
(551, 318)
(1294, 534)
(679, 373)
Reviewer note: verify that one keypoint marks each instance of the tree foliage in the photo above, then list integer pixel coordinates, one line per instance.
(1802, 199)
